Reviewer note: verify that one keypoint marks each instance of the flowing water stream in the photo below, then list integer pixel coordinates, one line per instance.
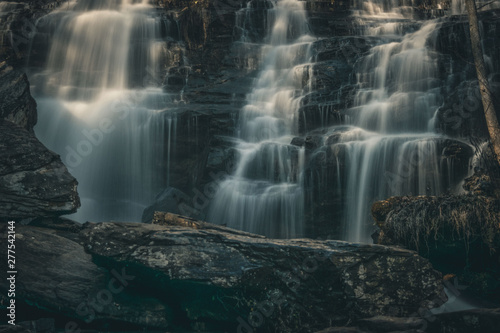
(391, 148)
(265, 195)
(390, 145)
(395, 149)
(100, 106)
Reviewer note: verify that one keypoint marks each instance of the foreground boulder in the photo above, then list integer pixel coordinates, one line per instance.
(179, 272)
(55, 274)
(459, 234)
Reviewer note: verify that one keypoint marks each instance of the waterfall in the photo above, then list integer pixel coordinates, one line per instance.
(103, 110)
(101, 106)
(391, 147)
(265, 194)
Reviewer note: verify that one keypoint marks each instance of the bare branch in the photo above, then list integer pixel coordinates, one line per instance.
(486, 4)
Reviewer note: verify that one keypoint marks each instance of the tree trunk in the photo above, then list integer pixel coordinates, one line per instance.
(484, 87)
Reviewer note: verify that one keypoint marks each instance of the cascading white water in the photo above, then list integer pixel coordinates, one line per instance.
(94, 110)
(392, 148)
(115, 135)
(265, 195)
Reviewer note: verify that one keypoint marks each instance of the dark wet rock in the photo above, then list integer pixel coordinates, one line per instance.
(323, 108)
(169, 200)
(462, 111)
(192, 129)
(326, 173)
(60, 226)
(33, 180)
(475, 320)
(330, 80)
(324, 184)
(17, 105)
(313, 142)
(340, 54)
(391, 324)
(299, 142)
(220, 163)
(42, 325)
(452, 41)
(222, 155)
(318, 281)
(327, 18)
(343, 329)
(18, 21)
(382, 324)
(207, 29)
(56, 275)
(266, 163)
(57, 223)
(14, 329)
(185, 273)
(176, 78)
(481, 183)
(459, 234)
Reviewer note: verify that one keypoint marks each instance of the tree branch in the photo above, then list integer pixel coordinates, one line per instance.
(486, 4)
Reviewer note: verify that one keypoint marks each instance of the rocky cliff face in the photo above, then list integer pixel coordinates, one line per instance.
(18, 26)
(462, 114)
(17, 105)
(33, 180)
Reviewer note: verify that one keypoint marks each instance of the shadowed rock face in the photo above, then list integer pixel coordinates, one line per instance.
(193, 274)
(17, 105)
(56, 274)
(33, 180)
